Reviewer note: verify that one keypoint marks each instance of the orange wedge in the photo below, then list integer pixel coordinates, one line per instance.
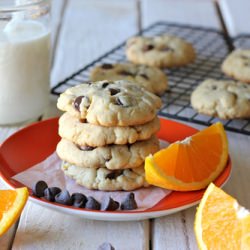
(11, 206)
(221, 223)
(190, 164)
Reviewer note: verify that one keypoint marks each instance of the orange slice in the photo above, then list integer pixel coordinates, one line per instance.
(11, 206)
(190, 164)
(220, 222)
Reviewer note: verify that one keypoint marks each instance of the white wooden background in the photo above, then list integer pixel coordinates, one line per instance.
(83, 30)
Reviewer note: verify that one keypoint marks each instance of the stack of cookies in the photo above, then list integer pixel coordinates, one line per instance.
(107, 131)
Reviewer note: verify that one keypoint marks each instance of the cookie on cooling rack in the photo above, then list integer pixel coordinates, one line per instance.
(160, 51)
(110, 103)
(222, 98)
(151, 78)
(237, 65)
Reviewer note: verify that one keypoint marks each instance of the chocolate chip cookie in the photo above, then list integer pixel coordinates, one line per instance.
(160, 51)
(83, 133)
(107, 103)
(225, 99)
(237, 65)
(151, 78)
(105, 179)
(111, 156)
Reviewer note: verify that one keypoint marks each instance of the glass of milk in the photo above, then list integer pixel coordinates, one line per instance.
(24, 59)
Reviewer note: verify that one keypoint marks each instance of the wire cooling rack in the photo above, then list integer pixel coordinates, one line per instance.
(242, 41)
(211, 47)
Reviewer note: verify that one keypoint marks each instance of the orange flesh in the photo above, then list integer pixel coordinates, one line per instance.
(221, 227)
(190, 164)
(7, 198)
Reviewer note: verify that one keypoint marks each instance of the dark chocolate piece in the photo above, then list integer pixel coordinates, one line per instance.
(64, 198)
(107, 66)
(125, 73)
(108, 204)
(51, 192)
(92, 203)
(114, 174)
(105, 84)
(48, 195)
(78, 102)
(38, 188)
(148, 47)
(118, 102)
(129, 203)
(106, 246)
(144, 76)
(86, 148)
(79, 200)
(114, 91)
(55, 190)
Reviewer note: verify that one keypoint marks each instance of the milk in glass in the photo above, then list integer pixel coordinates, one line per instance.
(24, 69)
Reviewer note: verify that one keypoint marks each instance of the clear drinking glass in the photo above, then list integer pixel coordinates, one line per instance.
(24, 59)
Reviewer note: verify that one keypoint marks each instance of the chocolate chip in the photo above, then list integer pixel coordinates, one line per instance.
(108, 204)
(86, 148)
(105, 84)
(55, 190)
(124, 101)
(114, 91)
(51, 192)
(214, 87)
(125, 73)
(106, 246)
(129, 203)
(113, 174)
(148, 47)
(107, 66)
(79, 100)
(246, 64)
(63, 198)
(79, 200)
(92, 203)
(48, 195)
(38, 188)
(144, 76)
(118, 102)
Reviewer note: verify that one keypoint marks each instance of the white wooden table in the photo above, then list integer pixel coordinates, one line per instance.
(83, 30)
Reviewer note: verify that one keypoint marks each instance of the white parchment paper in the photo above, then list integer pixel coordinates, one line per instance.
(50, 171)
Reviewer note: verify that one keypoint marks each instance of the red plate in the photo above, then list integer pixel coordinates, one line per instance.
(36, 142)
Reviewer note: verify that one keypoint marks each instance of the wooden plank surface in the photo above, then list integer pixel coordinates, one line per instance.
(236, 16)
(41, 228)
(202, 13)
(89, 29)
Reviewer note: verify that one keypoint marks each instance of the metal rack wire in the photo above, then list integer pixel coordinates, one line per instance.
(211, 47)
